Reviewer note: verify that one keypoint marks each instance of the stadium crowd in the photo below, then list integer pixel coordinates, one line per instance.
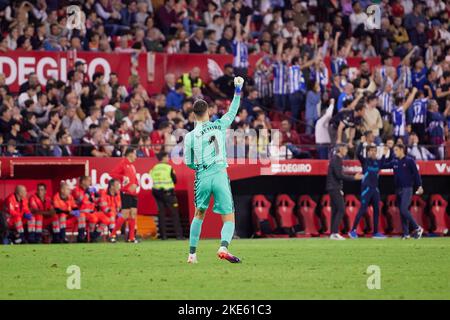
(290, 88)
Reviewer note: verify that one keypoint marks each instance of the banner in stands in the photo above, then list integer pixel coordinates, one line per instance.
(16, 65)
(320, 167)
(150, 67)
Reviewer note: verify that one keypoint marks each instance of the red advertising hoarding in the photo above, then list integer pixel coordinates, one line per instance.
(151, 67)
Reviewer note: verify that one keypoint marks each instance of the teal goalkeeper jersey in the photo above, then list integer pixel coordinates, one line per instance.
(204, 147)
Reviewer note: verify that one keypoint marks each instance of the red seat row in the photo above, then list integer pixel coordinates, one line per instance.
(304, 219)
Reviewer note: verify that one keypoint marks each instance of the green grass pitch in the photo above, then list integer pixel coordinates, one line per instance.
(271, 269)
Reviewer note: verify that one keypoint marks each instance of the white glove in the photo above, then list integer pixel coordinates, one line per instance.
(238, 82)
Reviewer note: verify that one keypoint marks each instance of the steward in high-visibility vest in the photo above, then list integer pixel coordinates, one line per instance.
(163, 190)
(190, 80)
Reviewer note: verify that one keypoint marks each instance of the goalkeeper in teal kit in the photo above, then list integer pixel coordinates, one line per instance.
(204, 151)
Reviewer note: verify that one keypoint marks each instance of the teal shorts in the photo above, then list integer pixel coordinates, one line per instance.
(217, 185)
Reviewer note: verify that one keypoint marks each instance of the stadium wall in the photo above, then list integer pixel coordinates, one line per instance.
(150, 67)
(294, 177)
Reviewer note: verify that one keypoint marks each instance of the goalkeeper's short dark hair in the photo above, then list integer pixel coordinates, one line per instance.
(200, 107)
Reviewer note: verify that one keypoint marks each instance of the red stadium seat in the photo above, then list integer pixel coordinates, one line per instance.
(285, 214)
(352, 205)
(382, 224)
(325, 214)
(438, 215)
(417, 210)
(393, 215)
(307, 216)
(263, 221)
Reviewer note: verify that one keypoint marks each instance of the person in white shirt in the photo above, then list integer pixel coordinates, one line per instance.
(416, 151)
(277, 151)
(321, 131)
(27, 95)
(372, 120)
(358, 16)
(95, 114)
(110, 114)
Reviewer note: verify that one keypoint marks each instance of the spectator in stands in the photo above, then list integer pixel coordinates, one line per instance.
(11, 150)
(285, 35)
(63, 146)
(346, 95)
(5, 120)
(94, 146)
(345, 119)
(223, 87)
(29, 94)
(110, 115)
(175, 97)
(191, 80)
(313, 103)
(14, 133)
(32, 81)
(94, 115)
(44, 149)
(73, 124)
(197, 43)
(371, 120)
(437, 125)
(158, 136)
(167, 17)
(277, 150)
(416, 151)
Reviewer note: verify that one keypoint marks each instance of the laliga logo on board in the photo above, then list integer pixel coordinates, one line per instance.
(145, 181)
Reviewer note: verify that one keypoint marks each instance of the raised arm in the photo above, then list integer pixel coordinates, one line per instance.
(227, 118)
(348, 47)
(410, 99)
(309, 62)
(247, 27)
(355, 101)
(336, 43)
(408, 56)
(279, 49)
(238, 36)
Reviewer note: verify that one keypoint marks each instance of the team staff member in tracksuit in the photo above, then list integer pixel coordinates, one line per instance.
(406, 177)
(164, 180)
(125, 172)
(334, 185)
(369, 189)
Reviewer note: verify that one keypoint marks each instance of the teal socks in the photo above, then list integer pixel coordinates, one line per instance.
(194, 236)
(226, 233)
